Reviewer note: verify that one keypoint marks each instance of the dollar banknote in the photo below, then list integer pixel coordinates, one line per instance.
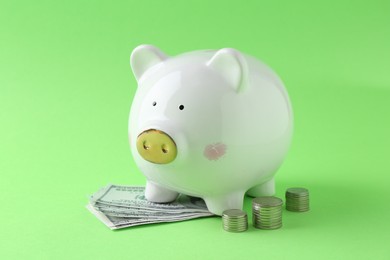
(126, 206)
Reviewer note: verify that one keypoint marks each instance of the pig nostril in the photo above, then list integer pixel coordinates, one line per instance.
(164, 149)
(146, 147)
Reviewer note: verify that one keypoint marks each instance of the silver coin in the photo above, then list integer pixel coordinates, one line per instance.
(298, 210)
(269, 228)
(297, 199)
(234, 220)
(288, 195)
(231, 213)
(297, 191)
(267, 201)
(267, 212)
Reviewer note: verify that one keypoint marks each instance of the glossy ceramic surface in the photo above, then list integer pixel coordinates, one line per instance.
(227, 115)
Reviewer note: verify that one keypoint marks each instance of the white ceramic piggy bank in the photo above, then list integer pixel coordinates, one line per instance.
(209, 124)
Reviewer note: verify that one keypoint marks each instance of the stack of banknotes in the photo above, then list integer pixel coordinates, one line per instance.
(126, 206)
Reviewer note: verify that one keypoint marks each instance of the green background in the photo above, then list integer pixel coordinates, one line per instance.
(65, 93)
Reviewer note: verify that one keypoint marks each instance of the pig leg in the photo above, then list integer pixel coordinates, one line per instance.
(156, 193)
(264, 189)
(217, 204)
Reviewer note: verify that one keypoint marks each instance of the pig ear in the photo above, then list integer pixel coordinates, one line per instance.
(231, 65)
(143, 57)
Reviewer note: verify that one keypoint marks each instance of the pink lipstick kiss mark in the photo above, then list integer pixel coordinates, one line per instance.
(214, 151)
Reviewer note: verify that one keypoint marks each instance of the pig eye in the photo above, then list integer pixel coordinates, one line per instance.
(154, 103)
(181, 107)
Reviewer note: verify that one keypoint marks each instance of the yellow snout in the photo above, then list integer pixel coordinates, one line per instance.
(156, 146)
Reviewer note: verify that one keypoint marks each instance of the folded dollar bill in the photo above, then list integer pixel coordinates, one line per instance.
(125, 206)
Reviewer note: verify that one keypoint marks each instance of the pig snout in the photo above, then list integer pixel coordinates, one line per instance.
(156, 146)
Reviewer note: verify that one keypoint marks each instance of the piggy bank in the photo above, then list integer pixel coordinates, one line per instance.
(214, 124)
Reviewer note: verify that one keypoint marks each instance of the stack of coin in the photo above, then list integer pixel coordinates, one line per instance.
(297, 199)
(267, 212)
(234, 220)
